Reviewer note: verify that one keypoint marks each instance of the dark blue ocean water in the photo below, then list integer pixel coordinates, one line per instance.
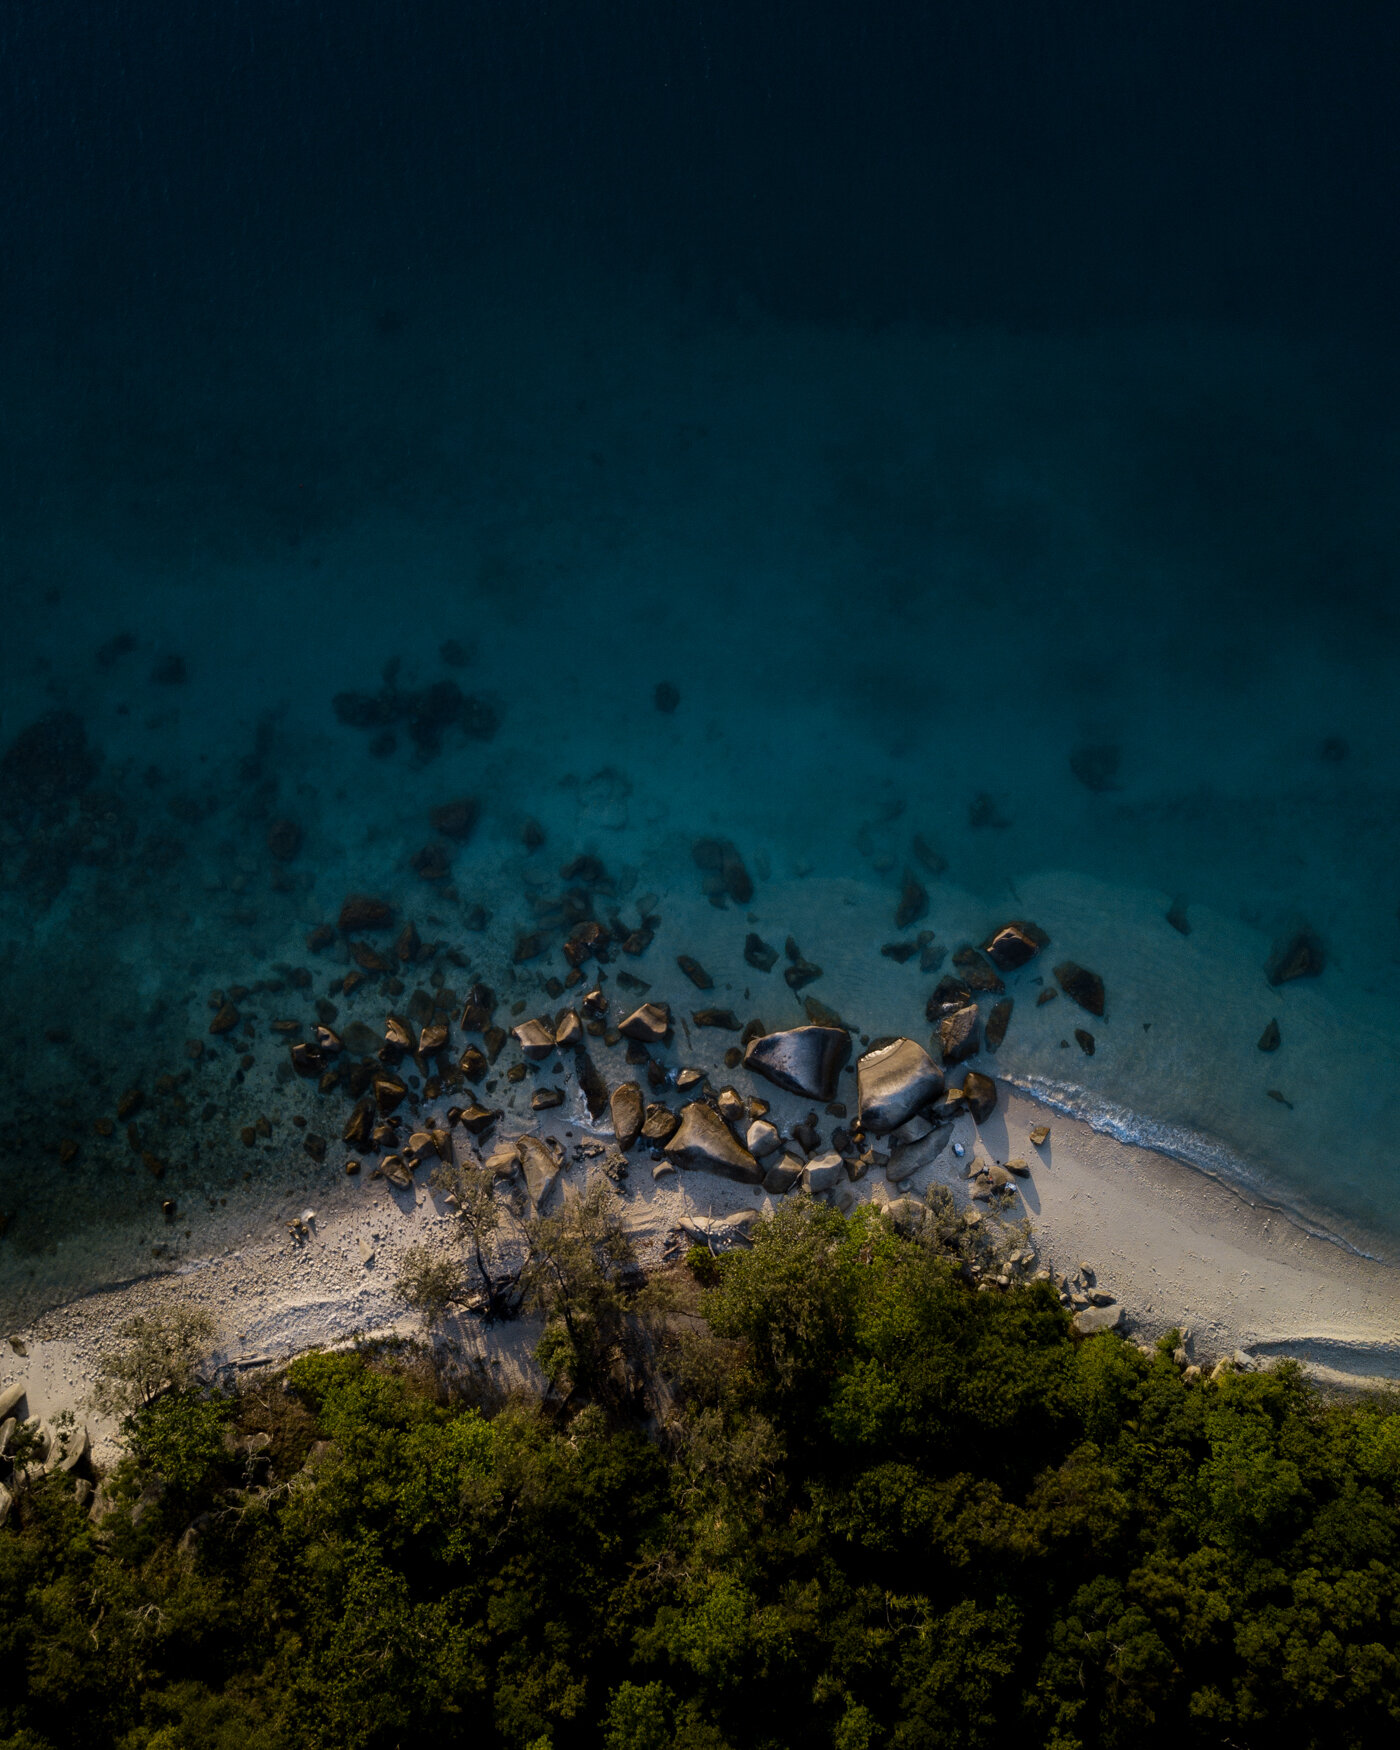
(981, 419)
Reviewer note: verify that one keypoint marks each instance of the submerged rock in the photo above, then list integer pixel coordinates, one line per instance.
(976, 973)
(1177, 918)
(1085, 1041)
(456, 819)
(284, 840)
(947, 995)
(1270, 1039)
(725, 1020)
(1096, 765)
(695, 972)
(361, 911)
(757, 953)
(895, 1081)
(932, 859)
(804, 1060)
(666, 697)
(703, 1142)
(1081, 986)
(725, 874)
(432, 863)
(801, 971)
(913, 902)
(997, 1023)
(1302, 956)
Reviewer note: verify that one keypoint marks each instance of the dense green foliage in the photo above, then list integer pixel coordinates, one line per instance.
(841, 1499)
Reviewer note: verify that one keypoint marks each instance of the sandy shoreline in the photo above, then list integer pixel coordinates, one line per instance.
(1172, 1246)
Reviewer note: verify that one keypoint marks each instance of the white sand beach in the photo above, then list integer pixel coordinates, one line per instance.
(1174, 1247)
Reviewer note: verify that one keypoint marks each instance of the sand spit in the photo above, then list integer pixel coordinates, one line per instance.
(1172, 1246)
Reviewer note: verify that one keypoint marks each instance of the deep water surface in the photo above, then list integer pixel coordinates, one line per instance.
(938, 453)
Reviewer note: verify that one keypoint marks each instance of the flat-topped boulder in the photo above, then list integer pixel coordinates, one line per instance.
(894, 1082)
(823, 1172)
(1095, 1319)
(535, 1038)
(803, 1060)
(628, 1111)
(704, 1143)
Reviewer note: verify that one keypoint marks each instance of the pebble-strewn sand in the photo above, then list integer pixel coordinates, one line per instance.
(1173, 1246)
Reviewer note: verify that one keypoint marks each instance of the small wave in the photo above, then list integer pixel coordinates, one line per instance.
(1206, 1154)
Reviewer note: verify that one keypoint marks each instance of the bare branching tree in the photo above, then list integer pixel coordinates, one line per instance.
(471, 1190)
(160, 1351)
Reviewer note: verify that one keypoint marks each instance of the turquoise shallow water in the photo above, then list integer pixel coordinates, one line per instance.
(1059, 577)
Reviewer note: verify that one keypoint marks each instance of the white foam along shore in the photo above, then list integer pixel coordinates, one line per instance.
(1175, 1248)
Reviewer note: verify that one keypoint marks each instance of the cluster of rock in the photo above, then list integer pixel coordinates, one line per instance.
(45, 1449)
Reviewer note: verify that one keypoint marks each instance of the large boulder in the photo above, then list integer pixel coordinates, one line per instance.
(783, 1173)
(1094, 1319)
(540, 1167)
(894, 1081)
(804, 1060)
(823, 1173)
(627, 1113)
(704, 1143)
